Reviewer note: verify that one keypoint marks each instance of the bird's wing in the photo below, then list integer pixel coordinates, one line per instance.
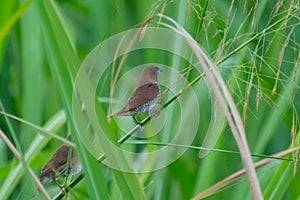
(59, 158)
(142, 95)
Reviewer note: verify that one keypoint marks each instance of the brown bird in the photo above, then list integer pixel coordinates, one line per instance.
(58, 165)
(145, 95)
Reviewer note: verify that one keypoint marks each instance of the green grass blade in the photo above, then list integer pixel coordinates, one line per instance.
(64, 63)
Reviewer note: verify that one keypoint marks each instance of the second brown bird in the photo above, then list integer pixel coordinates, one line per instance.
(58, 164)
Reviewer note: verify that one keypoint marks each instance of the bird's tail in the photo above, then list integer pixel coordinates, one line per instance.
(120, 113)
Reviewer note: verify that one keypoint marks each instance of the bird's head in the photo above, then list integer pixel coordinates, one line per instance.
(149, 75)
(153, 69)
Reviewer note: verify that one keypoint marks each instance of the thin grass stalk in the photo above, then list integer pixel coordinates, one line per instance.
(138, 142)
(21, 159)
(39, 129)
(232, 115)
(230, 179)
(37, 144)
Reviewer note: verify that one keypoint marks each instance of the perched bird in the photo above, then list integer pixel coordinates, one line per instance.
(145, 95)
(64, 162)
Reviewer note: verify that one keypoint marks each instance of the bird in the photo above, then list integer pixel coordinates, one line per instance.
(144, 97)
(64, 162)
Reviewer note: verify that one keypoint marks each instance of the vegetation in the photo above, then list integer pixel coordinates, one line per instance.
(254, 45)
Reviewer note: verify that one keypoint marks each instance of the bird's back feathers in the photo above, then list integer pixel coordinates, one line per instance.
(140, 97)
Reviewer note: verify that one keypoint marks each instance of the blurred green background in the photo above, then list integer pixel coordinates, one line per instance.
(255, 44)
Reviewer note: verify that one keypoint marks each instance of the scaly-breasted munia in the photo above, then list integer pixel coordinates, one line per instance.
(145, 95)
(58, 165)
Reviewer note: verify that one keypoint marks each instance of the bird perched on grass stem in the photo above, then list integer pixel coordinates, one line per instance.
(145, 95)
(63, 163)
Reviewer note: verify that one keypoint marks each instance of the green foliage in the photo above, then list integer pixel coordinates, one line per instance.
(255, 45)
